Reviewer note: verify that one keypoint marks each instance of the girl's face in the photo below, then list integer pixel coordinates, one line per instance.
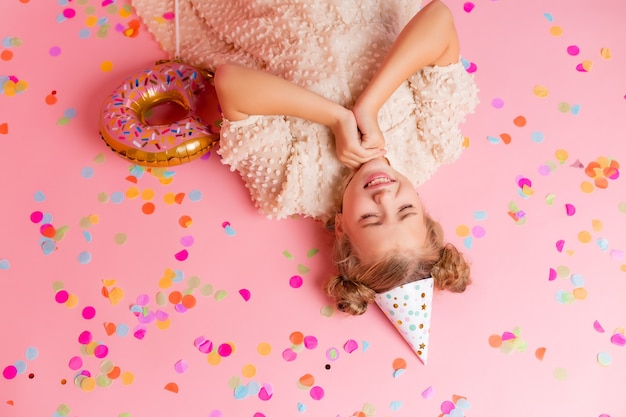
(381, 212)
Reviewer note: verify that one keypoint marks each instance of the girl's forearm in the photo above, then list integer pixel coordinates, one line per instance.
(429, 38)
(243, 91)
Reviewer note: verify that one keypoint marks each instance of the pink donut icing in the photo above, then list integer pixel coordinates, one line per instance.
(122, 118)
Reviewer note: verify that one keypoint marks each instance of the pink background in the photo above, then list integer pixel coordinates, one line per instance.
(55, 163)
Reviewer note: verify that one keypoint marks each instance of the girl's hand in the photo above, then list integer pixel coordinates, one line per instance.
(367, 122)
(349, 146)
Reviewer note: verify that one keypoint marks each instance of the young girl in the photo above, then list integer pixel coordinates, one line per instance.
(332, 112)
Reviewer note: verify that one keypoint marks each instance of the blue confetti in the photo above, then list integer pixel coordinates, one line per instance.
(39, 196)
(5, 264)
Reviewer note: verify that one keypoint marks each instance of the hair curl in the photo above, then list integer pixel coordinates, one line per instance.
(356, 283)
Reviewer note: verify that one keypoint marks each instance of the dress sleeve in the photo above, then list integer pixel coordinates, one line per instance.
(443, 98)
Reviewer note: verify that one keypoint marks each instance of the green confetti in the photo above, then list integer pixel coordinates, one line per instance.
(220, 295)
(312, 252)
(303, 269)
(287, 255)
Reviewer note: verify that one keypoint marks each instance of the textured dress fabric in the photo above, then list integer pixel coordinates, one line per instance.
(332, 48)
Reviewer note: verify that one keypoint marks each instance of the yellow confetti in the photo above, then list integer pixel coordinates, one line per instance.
(132, 192)
(147, 194)
(561, 155)
(587, 64)
(584, 236)
(540, 91)
(127, 378)
(264, 349)
(106, 66)
(248, 370)
(586, 187)
(596, 224)
(462, 231)
(605, 53)
(556, 31)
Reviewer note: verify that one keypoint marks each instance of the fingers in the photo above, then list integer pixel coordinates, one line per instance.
(354, 160)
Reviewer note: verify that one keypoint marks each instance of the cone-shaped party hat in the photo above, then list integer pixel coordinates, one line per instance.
(408, 307)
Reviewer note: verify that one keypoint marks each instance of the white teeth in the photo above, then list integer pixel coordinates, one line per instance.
(379, 180)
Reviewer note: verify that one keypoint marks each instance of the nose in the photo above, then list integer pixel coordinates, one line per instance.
(383, 196)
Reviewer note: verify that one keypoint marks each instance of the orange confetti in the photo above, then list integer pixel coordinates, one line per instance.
(296, 338)
(4, 128)
(189, 301)
(307, 380)
(398, 363)
(519, 121)
(132, 178)
(115, 372)
(456, 398)
(172, 386)
(506, 138)
(175, 297)
(179, 198)
(185, 221)
(601, 182)
(51, 99)
(495, 340)
(105, 292)
(10, 402)
(148, 208)
(110, 328)
(540, 353)
(6, 55)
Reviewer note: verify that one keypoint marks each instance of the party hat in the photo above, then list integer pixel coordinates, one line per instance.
(408, 307)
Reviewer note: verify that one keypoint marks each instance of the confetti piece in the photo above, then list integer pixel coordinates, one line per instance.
(295, 281)
(182, 255)
(618, 339)
(398, 363)
(310, 342)
(540, 91)
(598, 327)
(570, 210)
(5, 264)
(468, 7)
(573, 50)
(350, 346)
(172, 387)
(317, 393)
(428, 393)
(332, 354)
(181, 366)
(604, 359)
(560, 374)
(245, 294)
(540, 353)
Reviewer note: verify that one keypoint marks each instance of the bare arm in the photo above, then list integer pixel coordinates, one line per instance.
(242, 92)
(429, 38)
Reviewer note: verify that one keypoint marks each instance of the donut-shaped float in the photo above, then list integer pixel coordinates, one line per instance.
(123, 124)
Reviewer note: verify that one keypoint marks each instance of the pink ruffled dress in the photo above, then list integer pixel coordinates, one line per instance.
(330, 47)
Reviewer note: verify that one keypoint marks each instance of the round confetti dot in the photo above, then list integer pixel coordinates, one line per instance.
(264, 349)
(604, 359)
(296, 338)
(9, 372)
(106, 66)
(87, 172)
(182, 255)
(225, 350)
(248, 370)
(101, 351)
(497, 103)
(563, 107)
(573, 50)
(310, 342)
(185, 221)
(540, 91)
(84, 257)
(605, 53)
(556, 31)
(495, 341)
(462, 230)
(89, 313)
(350, 346)
(398, 363)
(289, 355)
(584, 237)
(317, 393)
(586, 187)
(478, 232)
(295, 281)
(468, 6)
(195, 195)
(579, 293)
(55, 51)
(75, 363)
(519, 121)
(6, 55)
(332, 354)
(120, 238)
(148, 208)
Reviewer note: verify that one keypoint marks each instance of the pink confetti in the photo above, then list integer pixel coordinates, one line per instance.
(245, 294)
(36, 216)
(61, 296)
(317, 393)
(266, 392)
(55, 51)
(478, 232)
(289, 355)
(9, 372)
(618, 339)
(69, 13)
(75, 363)
(428, 393)
(573, 50)
(570, 209)
(497, 103)
(182, 255)
(447, 406)
(143, 300)
(559, 245)
(89, 312)
(580, 68)
(204, 345)
(186, 241)
(468, 6)
(181, 366)
(168, 15)
(140, 333)
(350, 346)
(598, 327)
(225, 350)
(310, 342)
(84, 338)
(295, 281)
(101, 351)
(552, 274)
(508, 336)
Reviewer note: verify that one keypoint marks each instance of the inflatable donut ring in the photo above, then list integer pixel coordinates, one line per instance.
(123, 116)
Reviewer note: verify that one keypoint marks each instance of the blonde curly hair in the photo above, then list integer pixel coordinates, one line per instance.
(356, 283)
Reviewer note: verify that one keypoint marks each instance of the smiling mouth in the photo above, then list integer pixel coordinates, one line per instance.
(378, 181)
